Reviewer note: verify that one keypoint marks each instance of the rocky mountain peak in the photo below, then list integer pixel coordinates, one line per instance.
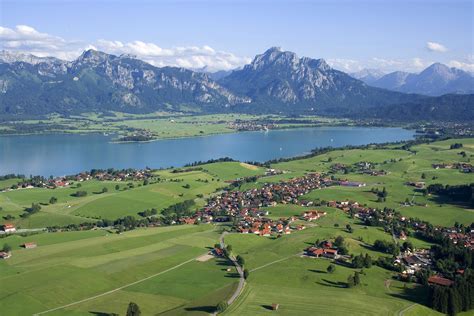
(92, 56)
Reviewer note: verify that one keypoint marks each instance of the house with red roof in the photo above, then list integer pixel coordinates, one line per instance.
(438, 280)
(8, 228)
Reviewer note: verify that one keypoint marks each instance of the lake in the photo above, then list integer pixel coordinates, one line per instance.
(64, 154)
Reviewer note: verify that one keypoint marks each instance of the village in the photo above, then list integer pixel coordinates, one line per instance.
(95, 174)
(462, 167)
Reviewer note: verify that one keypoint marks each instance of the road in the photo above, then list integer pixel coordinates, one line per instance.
(240, 270)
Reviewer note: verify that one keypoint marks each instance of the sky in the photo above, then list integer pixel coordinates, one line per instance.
(222, 35)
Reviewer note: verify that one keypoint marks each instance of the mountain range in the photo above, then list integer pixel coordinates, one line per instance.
(436, 80)
(274, 82)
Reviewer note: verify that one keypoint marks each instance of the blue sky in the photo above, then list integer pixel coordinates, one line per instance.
(223, 34)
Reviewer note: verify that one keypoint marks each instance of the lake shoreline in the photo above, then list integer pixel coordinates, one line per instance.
(59, 154)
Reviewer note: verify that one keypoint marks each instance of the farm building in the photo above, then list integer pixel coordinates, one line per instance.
(8, 228)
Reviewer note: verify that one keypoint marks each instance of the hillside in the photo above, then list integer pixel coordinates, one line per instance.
(274, 82)
(99, 82)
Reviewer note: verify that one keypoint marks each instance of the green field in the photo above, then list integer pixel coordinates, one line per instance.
(158, 124)
(72, 266)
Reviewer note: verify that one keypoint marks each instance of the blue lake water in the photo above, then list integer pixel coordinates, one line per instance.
(69, 154)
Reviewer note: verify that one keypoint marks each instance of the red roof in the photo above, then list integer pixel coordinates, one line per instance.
(440, 281)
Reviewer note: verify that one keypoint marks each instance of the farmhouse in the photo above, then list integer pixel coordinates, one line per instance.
(29, 245)
(5, 255)
(312, 215)
(438, 280)
(322, 252)
(352, 184)
(8, 228)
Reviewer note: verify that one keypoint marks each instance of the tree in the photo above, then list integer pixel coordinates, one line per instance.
(240, 260)
(367, 261)
(7, 248)
(246, 274)
(356, 278)
(53, 200)
(339, 241)
(105, 190)
(331, 268)
(222, 306)
(350, 281)
(117, 187)
(133, 309)
(349, 228)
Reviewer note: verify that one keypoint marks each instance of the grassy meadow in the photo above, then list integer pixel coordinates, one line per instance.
(71, 266)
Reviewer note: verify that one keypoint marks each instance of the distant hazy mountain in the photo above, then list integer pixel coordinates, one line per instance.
(98, 81)
(281, 81)
(437, 79)
(216, 75)
(368, 75)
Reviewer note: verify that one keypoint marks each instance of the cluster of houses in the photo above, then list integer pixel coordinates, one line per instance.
(459, 238)
(246, 206)
(312, 215)
(251, 126)
(362, 167)
(461, 166)
(359, 211)
(263, 226)
(323, 249)
(104, 175)
(238, 203)
(413, 261)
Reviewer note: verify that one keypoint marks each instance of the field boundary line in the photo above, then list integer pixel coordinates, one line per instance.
(402, 312)
(117, 289)
(273, 262)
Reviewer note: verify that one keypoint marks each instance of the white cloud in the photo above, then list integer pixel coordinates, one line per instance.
(26, 39)
(465, 65)
(436, 47)
(386, 65)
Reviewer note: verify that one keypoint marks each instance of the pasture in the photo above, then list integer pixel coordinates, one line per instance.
(73, 266)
